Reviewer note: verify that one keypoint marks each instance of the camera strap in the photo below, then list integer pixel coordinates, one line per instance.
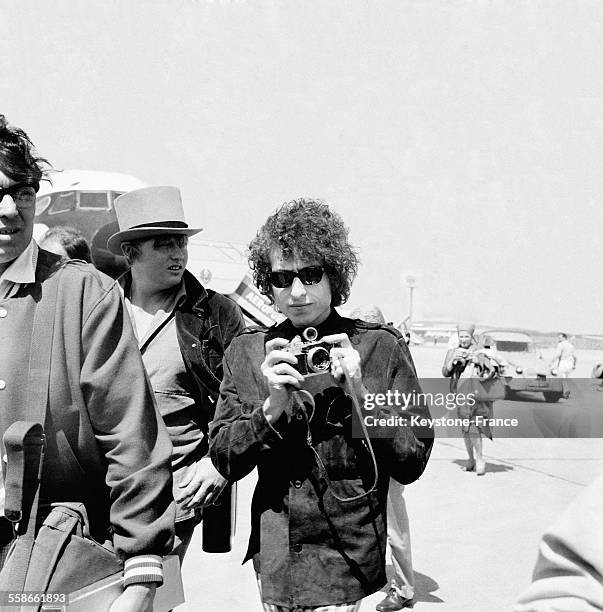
(300, 399)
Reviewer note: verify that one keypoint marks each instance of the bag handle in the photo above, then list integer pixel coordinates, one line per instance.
(24, 443)
(40, 354)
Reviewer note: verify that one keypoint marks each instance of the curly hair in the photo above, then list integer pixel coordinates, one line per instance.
(17, 158)
(309, 229)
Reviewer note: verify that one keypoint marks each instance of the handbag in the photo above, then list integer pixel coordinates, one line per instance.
(63, 556)
(53, 550)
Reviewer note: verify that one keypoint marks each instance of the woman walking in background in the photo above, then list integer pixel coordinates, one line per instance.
(468, 360)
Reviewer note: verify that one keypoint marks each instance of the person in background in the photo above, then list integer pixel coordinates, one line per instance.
(564, 361)
(318, 533)
(455, 363)
(182, 330)
(67, 242)
(106, 445)
(401, 589)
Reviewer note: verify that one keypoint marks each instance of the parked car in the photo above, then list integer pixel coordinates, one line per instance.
(525, 369)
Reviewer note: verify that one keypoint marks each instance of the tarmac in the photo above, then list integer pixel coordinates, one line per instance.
(474, 538)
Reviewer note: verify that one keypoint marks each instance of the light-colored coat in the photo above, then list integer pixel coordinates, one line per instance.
(106, 444)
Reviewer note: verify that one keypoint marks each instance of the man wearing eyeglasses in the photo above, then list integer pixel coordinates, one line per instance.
(287, 402)
(106, 446)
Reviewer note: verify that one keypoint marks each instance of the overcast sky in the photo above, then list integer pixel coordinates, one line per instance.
(461, 141)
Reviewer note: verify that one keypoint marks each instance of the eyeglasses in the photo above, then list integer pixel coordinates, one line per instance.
(312, 275)
(24, 196)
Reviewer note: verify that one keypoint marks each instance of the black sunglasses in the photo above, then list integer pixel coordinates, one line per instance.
(312, 275)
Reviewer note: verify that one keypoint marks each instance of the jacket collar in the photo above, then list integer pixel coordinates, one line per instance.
(22, 270)
(195, 292)
(334, 324)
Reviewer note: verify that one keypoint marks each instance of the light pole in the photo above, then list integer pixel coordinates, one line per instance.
(411, 283)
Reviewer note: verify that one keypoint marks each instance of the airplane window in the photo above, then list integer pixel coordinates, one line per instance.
(62, 202)
(94, 200)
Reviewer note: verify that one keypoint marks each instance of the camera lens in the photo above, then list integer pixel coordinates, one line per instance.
(310, 334)
(318, 359)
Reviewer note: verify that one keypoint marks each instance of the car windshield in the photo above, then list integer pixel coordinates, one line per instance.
(509, 346)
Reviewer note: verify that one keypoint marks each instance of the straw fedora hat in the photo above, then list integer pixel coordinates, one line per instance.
(147, 212)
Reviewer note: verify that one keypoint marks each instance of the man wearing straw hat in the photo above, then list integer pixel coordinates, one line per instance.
(182, 330)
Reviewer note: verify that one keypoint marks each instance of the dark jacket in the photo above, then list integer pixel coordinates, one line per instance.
(106, 444)
(206, 322)
(310, 548)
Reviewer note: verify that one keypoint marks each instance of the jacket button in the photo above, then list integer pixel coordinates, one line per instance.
(2, 384)
(297, 548)
(3, 313)
(297, 484)
(194, 345)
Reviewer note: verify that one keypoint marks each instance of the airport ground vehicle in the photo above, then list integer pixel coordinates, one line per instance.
(525, 368)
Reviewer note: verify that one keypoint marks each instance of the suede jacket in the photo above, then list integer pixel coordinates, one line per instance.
(310, 548)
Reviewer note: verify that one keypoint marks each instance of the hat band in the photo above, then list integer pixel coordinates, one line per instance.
(169, 224)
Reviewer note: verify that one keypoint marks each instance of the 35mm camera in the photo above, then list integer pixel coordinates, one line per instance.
(313, 356)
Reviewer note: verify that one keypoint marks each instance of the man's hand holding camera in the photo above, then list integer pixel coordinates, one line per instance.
(281, 377)
(279, 369)
(345, 365)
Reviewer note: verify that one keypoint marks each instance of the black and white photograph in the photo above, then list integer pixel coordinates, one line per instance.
(301, 306)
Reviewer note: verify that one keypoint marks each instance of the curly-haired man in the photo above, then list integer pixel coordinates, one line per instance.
(318, 515)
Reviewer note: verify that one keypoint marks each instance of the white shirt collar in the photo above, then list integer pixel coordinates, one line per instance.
(23, 269)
